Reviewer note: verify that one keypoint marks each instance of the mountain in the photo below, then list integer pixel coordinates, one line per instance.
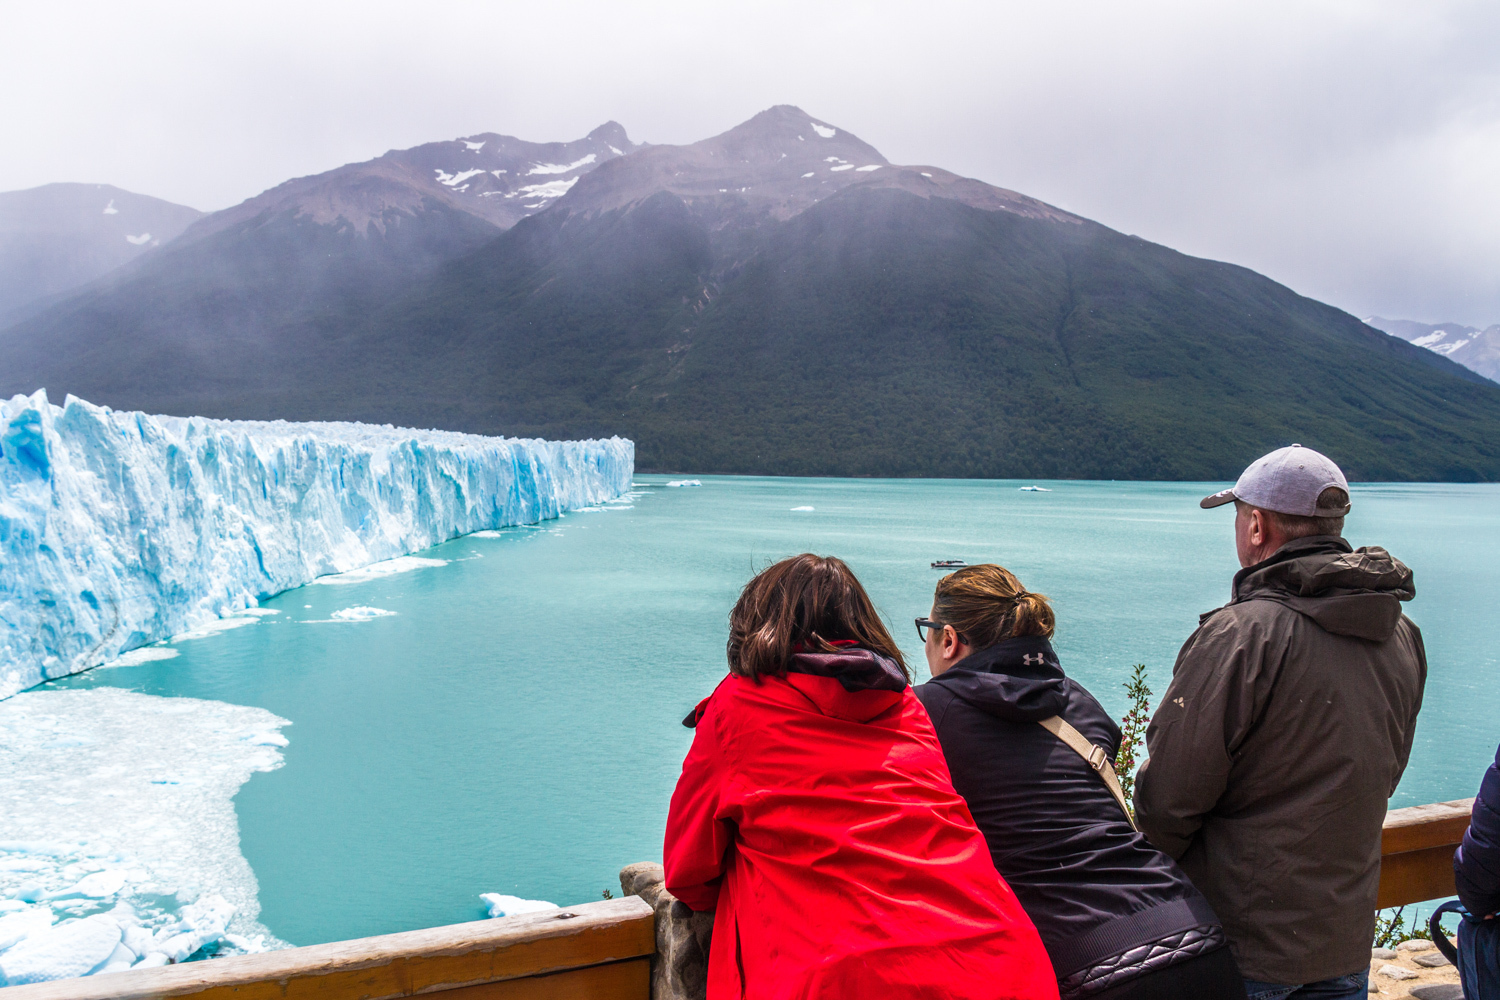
(58, 237)
(216, 312)
(782, 299)
(1475, 349)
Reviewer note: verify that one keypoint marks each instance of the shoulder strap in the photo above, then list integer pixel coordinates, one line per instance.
(1097, 758)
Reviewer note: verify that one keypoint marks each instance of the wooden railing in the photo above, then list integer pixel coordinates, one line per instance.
(600, 951)
(1416, 851)
(597, 950)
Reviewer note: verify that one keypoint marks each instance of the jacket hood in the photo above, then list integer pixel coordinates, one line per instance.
(853, 684)
(1347, 591)
(1019, 680)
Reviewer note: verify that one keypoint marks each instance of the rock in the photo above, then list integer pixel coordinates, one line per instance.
(1438, 991)
(679, 970)
(1372, 986)
(1415, 944)
(1432, 960)
(1395, 972)
(1385, 954)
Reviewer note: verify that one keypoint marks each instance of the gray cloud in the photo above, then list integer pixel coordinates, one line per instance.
(1348, 149)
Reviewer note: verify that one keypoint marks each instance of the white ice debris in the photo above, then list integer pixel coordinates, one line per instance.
(685, 482)
(551, 189)
(562, 168)
(501, 905)
(360, 613)
(865, 170)
(802, 508)
(823, 130)
(118, 530)
(374, 571)
(475, 146)
(110, 208)
(144, 654)
(129, 864)
(138, 241)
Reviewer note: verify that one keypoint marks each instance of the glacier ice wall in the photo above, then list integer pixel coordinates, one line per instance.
(119, 529)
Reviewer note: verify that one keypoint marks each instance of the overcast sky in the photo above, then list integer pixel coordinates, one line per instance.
(1348, 149)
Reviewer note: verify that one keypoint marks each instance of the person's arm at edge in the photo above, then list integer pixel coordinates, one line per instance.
(1476, 865)
(696, 837)
(1189, 738)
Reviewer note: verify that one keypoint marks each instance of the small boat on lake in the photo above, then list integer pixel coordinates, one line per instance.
(949, 564)
(1035, 489)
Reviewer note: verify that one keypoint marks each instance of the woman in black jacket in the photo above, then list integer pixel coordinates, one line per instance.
(1119, 918)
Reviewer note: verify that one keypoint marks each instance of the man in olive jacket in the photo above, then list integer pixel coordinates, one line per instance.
(1284, 731)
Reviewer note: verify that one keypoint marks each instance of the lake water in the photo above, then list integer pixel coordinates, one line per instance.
(514, 726)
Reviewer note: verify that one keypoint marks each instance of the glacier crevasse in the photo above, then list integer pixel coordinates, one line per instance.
(119, 529)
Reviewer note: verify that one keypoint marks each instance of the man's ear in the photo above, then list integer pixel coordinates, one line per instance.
(1257, 533)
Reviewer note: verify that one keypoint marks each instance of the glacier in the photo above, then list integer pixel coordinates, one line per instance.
(120, 529)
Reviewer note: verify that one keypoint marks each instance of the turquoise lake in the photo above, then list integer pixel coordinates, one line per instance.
(514, 726)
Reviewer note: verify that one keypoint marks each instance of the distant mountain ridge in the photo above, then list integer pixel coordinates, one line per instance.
(776, 299)
(59, 237)
(1475, 349)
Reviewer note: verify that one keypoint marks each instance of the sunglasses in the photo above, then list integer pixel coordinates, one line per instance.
(928, 623)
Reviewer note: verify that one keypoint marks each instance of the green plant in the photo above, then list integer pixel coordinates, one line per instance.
(1390, 927)
(606, 894)
(1133, 731)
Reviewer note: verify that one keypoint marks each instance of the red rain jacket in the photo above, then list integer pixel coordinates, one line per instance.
(821, 825)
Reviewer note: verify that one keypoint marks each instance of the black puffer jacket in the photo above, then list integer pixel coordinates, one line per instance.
(1108, 905)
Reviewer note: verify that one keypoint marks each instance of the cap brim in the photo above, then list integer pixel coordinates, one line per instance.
(1218, 499)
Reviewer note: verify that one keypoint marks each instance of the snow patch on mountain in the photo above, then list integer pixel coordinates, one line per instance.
(823, 130)
(118, 530)
(562, 168)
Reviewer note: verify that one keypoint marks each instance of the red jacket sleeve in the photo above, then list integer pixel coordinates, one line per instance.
(697, 835)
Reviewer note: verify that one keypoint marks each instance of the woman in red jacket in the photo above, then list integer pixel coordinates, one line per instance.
(816, 817)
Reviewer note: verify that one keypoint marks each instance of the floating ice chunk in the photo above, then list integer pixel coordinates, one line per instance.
(867, 169)
(137, 241)
(488, 534)
(110, 208)
(1035, 489)
(824, 130)
(95, 886)
(501, 905)
(145, 654)
(374, 571)
(70, 949)
(685, 482)
(562, 168)
(475, 146)
(802, 508)
(360, 614)
(258, 612)
(17, 926)
(214, 628)
(198, 924)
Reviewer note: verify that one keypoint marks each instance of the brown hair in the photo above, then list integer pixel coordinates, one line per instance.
(1296, 526)
(806, 601)
(986, 604)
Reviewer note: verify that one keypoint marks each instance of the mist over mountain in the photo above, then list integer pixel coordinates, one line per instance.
(58, 237)
(776, 299)
(1475, 349)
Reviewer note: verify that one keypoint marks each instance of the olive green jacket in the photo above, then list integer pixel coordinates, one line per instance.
(1276, 748)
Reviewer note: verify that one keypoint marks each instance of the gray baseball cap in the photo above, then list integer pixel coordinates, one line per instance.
(1288, 481)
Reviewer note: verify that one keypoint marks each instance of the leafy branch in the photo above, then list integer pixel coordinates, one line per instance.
(1133, 732)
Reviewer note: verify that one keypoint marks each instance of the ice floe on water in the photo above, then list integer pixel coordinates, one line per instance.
(801, 508)
(145, 654)
(119, 844)
(374, 571)
(685, 482)
(118, 530)
(360, 613)
(500, 905)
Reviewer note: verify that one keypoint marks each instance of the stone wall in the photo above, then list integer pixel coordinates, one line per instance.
(680, 969)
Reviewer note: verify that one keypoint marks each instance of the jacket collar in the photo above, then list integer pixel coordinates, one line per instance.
(1018, 679)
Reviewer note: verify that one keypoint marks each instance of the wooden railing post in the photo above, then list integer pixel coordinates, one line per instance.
(1416, 851)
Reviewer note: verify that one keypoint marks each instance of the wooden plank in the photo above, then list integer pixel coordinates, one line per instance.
(617, 981)
(393, 965)
(1419, 827)
(1412, 877)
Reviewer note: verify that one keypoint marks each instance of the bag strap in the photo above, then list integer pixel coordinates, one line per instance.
(1096, 757)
